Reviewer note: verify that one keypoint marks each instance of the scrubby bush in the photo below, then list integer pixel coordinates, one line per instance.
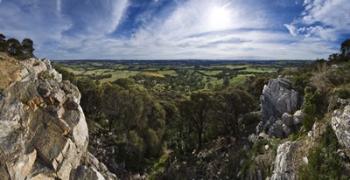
(66, 75)
(320, 79)
(249, 122)
(300, 81)
(14, 47)
(27, 48)
(323, 161)
(342, 92)
(313, 107)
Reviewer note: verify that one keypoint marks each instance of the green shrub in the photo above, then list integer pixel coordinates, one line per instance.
(152, 143)
(314, 107)
(135, 139)
(300, 81)
(323, 161)
(343, 92)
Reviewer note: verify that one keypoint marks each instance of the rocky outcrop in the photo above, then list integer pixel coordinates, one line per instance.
(277, 98)
(293, 155)
(341, 125)
(43, 132)
(284, 167)
(92, 168)
(278, 103)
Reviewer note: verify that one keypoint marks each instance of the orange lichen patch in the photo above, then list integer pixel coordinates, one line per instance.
(10, 70)
(35, 103)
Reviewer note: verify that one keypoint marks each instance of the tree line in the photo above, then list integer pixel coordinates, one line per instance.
(14, 48)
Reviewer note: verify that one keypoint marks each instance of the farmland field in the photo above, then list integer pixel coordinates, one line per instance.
(175, 75)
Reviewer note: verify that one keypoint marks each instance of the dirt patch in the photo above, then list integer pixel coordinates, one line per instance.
(10, 70)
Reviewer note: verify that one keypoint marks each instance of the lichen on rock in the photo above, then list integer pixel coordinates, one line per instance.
(43, 132)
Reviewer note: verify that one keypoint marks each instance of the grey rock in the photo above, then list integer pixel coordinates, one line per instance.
(87, 173)
(286, 130)
(262, 135)
(252, 138)
(276, 129)
(341, 125)
(278, 98)
(298, 117)
(92, 169)
(283, 166)
(44, 90)
(70, 104)
(287, 119)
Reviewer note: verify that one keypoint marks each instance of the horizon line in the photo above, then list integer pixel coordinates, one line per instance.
(83, 59)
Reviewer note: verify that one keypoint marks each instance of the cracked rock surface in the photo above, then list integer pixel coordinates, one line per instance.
(43, 132)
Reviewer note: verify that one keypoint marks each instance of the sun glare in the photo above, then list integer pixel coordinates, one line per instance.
(219, 18)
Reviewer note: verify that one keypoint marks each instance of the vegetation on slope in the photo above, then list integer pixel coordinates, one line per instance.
(171, 123)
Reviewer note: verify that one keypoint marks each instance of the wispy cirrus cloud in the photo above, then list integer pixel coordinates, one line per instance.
(324, 19)
(176, 29)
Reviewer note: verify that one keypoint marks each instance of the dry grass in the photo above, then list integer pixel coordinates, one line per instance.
(320, 79)
(9, 70)
(153, 74)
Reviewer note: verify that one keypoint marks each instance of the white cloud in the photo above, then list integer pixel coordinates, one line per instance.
(292, 29)
(325, 19)
(19, 23)
(118, 10)
(58, 6)
(185, 33)
(93, 18)
(46, 22)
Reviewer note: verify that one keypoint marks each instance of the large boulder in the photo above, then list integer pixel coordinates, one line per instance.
(43, 132)
(278, 102)
(341, 125)
(277, 98)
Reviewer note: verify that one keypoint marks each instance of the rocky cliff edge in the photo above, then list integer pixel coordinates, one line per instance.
(43, 132)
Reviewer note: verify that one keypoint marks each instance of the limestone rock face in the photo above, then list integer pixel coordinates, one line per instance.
(284, 168)
(278, 102)
(92, 169)
(43, 132)
(277, 98)
(341, 125)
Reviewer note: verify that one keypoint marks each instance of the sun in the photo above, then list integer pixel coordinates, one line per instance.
(219, 18)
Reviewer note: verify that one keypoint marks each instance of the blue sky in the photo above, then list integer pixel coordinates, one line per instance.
(178, 29)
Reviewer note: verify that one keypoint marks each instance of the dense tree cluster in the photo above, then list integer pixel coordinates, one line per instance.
(14, 48)
(138, 124)
(208, 115)
(127, 118)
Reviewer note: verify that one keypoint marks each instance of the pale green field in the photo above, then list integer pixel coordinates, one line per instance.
(211, 76)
